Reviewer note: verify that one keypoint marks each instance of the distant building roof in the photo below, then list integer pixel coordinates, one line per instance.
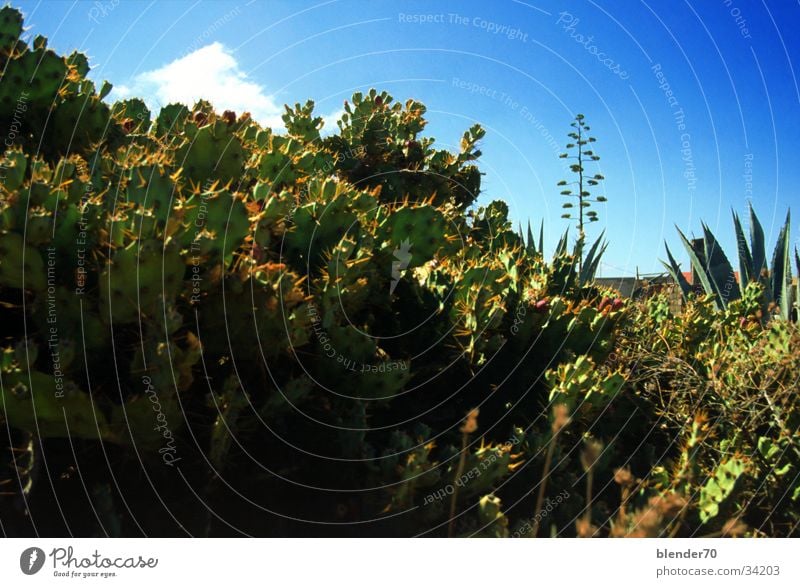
(689, 275)
(624, 285)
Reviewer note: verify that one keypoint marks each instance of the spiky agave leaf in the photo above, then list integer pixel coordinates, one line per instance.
(719, 268)
(541, 238)
(565, 264)
(781, 274)
(531, 245)
(561, 249)
(797, 290)
(757, 245)
(699, 269)
(592, 260)
(675, 271)
(746, 270)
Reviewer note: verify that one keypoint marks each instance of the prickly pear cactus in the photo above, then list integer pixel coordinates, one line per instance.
(139, 279)
(211, 152)
(21, 265)
(719, 487)
(493, 523)
(328, 304)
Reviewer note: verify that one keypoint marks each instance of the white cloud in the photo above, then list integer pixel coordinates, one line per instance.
(330, 126)
(119, 92)
(211, 73)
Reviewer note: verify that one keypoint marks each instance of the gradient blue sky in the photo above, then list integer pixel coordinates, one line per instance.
(730, 64)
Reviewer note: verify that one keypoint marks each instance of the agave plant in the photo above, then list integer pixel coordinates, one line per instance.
(588, 268)
(716, 275)
(797, 290)
(530, 246)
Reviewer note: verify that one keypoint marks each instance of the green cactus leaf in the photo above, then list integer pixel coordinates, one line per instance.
(21, 265)
(719, 487)
(51, 406)
(139, 279)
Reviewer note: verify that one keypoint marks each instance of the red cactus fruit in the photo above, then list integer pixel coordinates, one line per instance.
(200, 118)
(542, 305)
(616, 304)
(229, 116)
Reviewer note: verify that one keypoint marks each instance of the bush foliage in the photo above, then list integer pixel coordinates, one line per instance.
(214, 328)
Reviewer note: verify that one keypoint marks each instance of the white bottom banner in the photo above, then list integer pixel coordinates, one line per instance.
(398, 562)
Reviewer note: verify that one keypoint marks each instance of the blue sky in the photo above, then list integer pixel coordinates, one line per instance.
(726, 134)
